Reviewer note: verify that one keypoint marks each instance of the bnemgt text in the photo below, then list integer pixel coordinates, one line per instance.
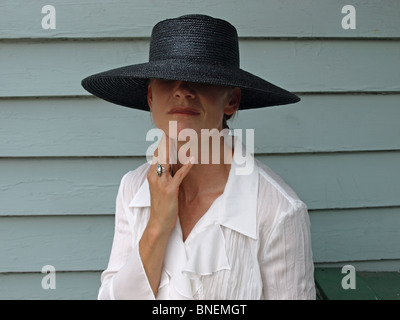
(220, 309)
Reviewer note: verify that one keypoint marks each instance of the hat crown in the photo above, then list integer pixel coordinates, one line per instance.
(197, 38)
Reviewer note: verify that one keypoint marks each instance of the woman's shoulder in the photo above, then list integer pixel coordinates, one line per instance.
(277, 203)
(274, 192)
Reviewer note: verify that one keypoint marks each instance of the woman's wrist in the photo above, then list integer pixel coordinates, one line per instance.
(157, 232)
(152, 248)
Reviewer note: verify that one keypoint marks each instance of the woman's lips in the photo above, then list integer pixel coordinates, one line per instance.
(184, 111)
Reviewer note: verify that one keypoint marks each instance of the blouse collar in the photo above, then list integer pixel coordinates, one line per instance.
(238, 203)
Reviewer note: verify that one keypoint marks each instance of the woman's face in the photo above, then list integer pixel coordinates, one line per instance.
(193, 105)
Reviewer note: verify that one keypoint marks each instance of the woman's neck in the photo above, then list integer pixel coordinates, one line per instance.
(210, 173)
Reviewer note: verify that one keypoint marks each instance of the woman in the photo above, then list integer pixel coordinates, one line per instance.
(198, 229)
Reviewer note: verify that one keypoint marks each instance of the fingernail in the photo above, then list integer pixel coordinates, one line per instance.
(192, 159)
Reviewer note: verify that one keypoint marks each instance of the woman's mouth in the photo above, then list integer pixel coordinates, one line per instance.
(184, 111)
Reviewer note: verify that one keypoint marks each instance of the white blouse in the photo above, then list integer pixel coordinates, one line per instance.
(252, 243)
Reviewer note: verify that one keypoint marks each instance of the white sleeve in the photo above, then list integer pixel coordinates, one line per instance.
(287, 267)
(125, 277)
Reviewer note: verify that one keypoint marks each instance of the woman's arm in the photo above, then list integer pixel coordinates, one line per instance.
(164, 191)
(286, 259)
(125, 277)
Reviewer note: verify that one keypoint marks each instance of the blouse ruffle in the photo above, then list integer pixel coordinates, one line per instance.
(203, 253)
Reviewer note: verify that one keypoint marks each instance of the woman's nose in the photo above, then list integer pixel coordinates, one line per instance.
(184, 89)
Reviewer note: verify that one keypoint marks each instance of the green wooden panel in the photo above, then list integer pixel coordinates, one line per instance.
(381, 265)
(328, 284)
(56, 68)
(69, 243)
(93, 127)
(368, 285)
(355, 235)
(385, 284)
(69, 286)
(274, 18)
(41, 186)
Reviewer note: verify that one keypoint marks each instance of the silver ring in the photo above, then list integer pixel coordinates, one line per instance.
(160, 169)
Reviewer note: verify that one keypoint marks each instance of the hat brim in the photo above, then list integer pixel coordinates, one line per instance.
(127, 86)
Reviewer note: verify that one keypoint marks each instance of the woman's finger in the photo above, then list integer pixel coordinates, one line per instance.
(161, 154)
(163, 151)
(182, 173)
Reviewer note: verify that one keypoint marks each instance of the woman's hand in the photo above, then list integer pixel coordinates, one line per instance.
(164, 191)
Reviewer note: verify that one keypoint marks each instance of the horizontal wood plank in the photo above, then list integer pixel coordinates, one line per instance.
(78, 243)
(341, 180)
(69, 286)
(61, 186)
(58, 186)
(277, 18)
(69, 243)
(352, 235)
(56, 68)
(377, 265)
(59, 127)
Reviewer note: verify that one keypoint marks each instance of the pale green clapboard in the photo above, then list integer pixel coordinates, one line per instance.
(63, 152)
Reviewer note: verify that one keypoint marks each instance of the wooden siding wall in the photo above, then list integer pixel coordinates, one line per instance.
(63, 152)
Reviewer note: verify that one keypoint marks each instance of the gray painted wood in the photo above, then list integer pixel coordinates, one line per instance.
(56, 68)
(54, 127)
(257, 18)
(83, 285)
(69, 243)
(48, 186)
(352, 235)
(78, 243)
(63, 152)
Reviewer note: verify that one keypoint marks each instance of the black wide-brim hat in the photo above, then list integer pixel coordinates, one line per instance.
(192, 48)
